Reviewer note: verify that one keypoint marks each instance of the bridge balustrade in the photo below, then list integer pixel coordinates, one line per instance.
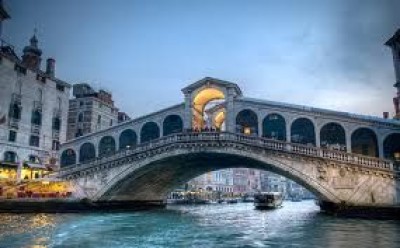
(271, 144)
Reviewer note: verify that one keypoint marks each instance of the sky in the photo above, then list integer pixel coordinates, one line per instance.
(327, 54)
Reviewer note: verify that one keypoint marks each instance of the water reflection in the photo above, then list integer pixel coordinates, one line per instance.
(297, 224)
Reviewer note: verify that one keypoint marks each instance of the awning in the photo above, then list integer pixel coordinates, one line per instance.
(36, 166)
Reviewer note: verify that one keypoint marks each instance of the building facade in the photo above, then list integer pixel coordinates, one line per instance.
(33, 104)
(33, 116)
(91, 111)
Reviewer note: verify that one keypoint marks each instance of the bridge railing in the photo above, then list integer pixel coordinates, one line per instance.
(270, 144)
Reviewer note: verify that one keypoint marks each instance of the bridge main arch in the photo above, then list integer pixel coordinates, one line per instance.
(158, 176)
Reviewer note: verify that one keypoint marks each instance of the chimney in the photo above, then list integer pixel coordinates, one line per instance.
(51, 67)
(385, 115)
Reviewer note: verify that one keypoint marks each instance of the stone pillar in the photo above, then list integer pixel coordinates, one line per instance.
(380, 145)
(259, 118)
(187, 115)
(288, 131)
(348, 140)
(317, 136)
(230, 112)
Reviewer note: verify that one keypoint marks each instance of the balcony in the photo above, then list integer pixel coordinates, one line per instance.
(35, 129)
(13, 123)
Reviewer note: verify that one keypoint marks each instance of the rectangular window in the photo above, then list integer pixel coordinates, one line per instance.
(34, 141)
(99, 119)
(12, 136)
(111, 123)
(60, 87)
(20, 69)
(55, 145)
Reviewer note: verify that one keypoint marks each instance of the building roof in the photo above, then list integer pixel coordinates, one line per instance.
(3, 13)
(323, 111)
(208, 80)
(395, 38)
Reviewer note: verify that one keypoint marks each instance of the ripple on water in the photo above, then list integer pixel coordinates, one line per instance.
(223, 225)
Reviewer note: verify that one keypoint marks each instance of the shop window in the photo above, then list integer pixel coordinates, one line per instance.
(10, 157)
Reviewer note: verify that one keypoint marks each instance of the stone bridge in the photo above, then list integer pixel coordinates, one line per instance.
(148, 172)
(341, 157)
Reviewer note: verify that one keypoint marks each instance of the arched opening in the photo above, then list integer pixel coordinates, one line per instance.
(247, 122)
(157, 179)
(150, 131)
(87, 152)
(10, 157)
(274, 127)
(56, 123)
(127, 139)
(205, 103)
(106, 146)
(391, 147)
(365, 142)
(15, 111)
(333, 136)
(303, 132)
(172, 124)
(68, 157)
(36, 117)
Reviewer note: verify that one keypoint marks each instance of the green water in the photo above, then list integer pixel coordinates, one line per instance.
(297, 224)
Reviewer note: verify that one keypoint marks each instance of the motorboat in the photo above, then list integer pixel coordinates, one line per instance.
(268, 200)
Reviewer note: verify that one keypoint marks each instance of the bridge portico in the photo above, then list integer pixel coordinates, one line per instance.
(333, 154)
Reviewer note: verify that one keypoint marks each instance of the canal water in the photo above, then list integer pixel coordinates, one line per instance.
(297, 224)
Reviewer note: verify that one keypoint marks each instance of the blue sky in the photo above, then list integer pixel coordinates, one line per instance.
(327, 54)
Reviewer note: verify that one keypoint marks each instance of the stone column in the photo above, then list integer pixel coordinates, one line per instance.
(380, 145)
(259, 118)
(317, 136)
(288, 131)
(348, 140)
(230, 112)
(187, 115)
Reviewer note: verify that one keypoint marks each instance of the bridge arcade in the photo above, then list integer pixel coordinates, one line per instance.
(216, 104)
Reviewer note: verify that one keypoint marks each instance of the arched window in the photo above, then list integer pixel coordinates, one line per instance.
(34, 159)
(274, 127)
(391, 146)
(150, 131)
(247, 122)
(36, 117)
(68, 157)
(364, 141)
(127, 139)
(10, 157)
(15, 111)
(333, 136)
(172, 124)
(56, 123)
(106, 146)
(303, 132)
(87, 152)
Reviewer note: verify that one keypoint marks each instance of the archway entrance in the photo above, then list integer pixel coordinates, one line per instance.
(155, 180)
(208, 109)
